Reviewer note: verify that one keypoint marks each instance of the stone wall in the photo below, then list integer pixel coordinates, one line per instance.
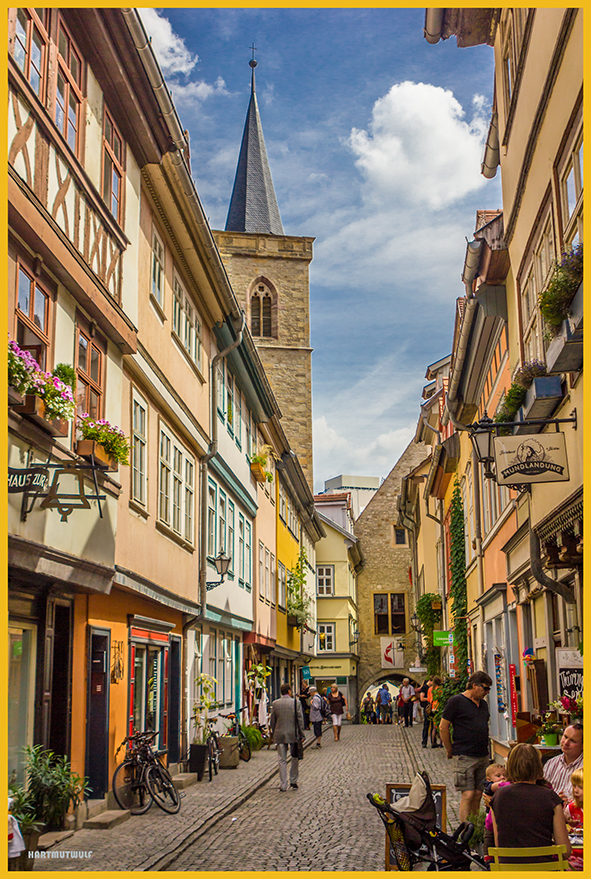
(386, 570)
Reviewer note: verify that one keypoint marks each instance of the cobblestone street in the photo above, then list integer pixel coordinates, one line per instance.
(241, 821)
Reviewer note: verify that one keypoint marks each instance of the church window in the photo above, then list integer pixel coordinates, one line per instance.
(261, 311)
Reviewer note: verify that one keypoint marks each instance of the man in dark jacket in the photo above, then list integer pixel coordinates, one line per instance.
(287, 725)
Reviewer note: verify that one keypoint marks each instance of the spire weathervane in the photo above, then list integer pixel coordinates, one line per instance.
(253, 63)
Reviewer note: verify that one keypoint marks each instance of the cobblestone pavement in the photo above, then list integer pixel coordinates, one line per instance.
(241, 821)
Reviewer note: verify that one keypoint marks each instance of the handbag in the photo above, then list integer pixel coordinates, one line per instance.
(296, 749)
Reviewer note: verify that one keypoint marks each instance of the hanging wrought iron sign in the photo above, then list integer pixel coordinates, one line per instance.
(524, 459)
(27, 479)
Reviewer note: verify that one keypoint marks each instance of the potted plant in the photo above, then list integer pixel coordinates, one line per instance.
(48, 399)
(258, 463)
(22, 366)
(102, 442)
(298, 600)
(207, 700)
(21, 807)
(549, 730)
(555, 301)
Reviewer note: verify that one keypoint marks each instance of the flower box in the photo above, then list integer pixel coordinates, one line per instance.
(542, 397)
(34, 408)
(91, 450)
(292, 620)
(14, 398)
(258, 472)
(565, 352)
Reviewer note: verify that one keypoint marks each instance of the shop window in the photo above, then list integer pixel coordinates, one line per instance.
(33, 305)
(22, 640)
(30, 47)
(68, 94)
(326, 633)
(149, 680)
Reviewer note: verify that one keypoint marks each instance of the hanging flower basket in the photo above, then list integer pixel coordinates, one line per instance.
(91, 450)
(34, 408)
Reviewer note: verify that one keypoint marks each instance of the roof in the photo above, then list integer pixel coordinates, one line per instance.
(253, 205)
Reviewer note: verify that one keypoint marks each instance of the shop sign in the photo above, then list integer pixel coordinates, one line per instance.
(570, 672)
(418, 669)
(521, 460)
(306, 673)
(442, 639)
(499, 681)
(513, 692)
(30, 479)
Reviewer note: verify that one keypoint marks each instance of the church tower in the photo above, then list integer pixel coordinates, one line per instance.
(269, 274)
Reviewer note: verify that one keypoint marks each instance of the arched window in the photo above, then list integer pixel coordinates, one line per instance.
(261, 311)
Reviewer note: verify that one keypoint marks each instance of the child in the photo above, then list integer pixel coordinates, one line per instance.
(496, 777)
(573, 812)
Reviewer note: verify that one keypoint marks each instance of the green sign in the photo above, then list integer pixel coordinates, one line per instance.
(442, 639)
(306, 673)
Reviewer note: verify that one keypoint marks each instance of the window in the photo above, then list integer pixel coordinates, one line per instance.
(326, 637)
(221, 670)
(221, 523)
(112, 167)
(571, 194)
(261, 311)
(247, 557)
(89, 374)
(230, 402)
(267, 575)
(324, 579)
(230, 541)
(21, 694)
(176, 486)
(535, 278)
(273, 580)
(157, 290)
(238, 418)
(32, 316)
(211, 514)
(30, 46)
(68, 96)
(213, 671)
(282, 503)
(148, 686)
(400, 536)
(261, 570)
(186, 324)
(281, 586)
(389, 613)
(220, 388)
(139, 444)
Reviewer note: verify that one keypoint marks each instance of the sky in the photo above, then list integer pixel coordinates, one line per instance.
(375, 141)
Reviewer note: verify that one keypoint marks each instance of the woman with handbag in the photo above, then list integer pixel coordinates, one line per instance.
(338, 706)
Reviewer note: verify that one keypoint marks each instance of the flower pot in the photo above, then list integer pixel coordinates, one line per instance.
(14, 398)
(23, 861)
(292, 620)
(550, 739)
(230, 749)
(91, 450)
(197, 759)
(258, 472)
(34, 408)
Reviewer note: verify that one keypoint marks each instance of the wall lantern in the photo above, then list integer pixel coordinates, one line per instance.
(222, 563)
(481, 434)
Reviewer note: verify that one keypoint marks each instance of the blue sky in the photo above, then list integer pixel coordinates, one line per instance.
(375, 141)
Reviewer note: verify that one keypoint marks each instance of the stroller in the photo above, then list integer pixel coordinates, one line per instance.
(415, 840)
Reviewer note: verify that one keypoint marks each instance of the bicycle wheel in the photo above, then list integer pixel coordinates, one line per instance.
(162, 789)
(244, 746)
(130, 789)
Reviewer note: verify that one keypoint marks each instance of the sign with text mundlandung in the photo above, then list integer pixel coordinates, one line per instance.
(521, 460)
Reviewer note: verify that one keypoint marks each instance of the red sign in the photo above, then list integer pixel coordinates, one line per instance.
(513, 693)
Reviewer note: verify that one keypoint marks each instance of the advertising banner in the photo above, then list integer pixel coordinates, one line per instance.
(524, 459)
(442, 639)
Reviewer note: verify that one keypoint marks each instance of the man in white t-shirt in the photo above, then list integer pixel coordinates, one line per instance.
(407, 691)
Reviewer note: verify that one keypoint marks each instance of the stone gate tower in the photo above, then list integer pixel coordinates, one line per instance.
(269, 273)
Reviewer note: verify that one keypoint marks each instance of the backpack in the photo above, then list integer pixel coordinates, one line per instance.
(324, 708)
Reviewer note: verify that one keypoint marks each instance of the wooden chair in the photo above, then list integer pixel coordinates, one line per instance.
(546, 851)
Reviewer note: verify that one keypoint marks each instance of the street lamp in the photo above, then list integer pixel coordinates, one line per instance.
(222, 563)
(481, 434)
(416, 624)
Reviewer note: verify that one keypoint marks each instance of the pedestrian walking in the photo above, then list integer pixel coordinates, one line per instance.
(316, 716)
(338, 706)
(368, 709)
(287, 726)
(305, 700)
(407, 691)
(426, 706)
(468, 714)
(433, 698)
(383, 702)
(559, 769)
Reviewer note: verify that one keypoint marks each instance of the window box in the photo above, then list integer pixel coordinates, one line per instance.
(565, 353)
(292, 620)
(34, 409)
(90, 449)
(14, 398)
(258, 472)
(542, 397)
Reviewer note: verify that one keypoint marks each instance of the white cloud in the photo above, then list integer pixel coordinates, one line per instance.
(195, 92)
(171, 52)
(418, 148)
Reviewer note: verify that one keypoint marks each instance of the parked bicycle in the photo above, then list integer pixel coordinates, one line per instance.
(213, 747)
(243, 743)
(142, 778)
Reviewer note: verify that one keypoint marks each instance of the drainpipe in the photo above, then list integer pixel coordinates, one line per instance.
(433, 22)
(479, 552)
(491, 160)
(543, 579)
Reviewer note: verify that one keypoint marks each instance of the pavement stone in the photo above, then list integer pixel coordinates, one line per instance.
(241, 821)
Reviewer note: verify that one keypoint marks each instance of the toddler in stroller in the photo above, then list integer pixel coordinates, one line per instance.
(416, 840)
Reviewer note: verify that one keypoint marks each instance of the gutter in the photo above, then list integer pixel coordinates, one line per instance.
(433, 23)
(492, 155)
(471, 262)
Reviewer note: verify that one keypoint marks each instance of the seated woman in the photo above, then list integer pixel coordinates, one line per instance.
(528, 814)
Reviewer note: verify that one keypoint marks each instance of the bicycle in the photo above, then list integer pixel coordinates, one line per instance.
(245, 751)
(142, 778)
(213, 748)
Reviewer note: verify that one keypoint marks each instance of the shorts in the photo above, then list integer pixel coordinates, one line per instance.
(470, 772)
(317, 724)
(336, 719)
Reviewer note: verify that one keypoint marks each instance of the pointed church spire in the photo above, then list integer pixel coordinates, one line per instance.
(253, 206)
